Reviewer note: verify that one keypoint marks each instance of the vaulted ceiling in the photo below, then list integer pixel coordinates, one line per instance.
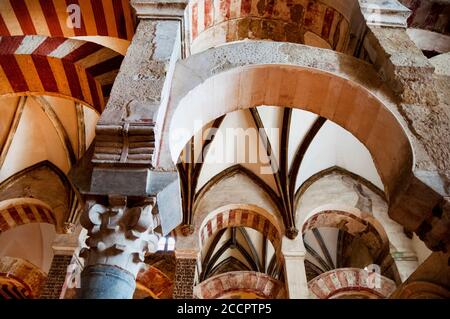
(239, 249)
(280, 148)
(43, 128)
(110, 18)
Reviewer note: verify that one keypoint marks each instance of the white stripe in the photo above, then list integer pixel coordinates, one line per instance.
(30, 44)
(65, 48)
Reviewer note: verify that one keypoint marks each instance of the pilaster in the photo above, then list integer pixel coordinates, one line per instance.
(294, 253)
(64, 248)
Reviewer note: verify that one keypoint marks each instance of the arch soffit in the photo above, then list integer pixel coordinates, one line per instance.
(75, 69)
(262, 85)
(275, 225)
(351, 220)
(21, 211)
(201, 67)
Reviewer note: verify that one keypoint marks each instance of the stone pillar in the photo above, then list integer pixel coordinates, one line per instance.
(294, 253)
(420, 207)
(119, 236)
(64, 247)
(121, 230)
(186, 273)
(56, 277)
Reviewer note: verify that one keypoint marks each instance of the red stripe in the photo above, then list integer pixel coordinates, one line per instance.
(269, 7)
(194, 21)
(45, 73)
(3, 28)
(99, 15)
(48, 46)
(29, 213)
(246, 6)
(94, 93)
(9, 45)
(73, 80)
(225, 8)
(82, 29)
(120, 19)
(244, 218)
(105, 66)
(255, 221)
(23, 16)
(51, 17)
(15, 215)
(208, 13)
(3, 223)
(327, 22)
(209, 228)
(43, 215)
(13, 73)
(220, 221)
(82, 52)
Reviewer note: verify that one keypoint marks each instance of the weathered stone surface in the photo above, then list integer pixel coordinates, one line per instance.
(136, 93)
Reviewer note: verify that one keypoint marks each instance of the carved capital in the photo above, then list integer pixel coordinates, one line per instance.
(119, 235)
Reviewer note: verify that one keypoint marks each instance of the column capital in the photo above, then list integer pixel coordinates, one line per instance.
(119, 235)
(159, 9)
(385, 13)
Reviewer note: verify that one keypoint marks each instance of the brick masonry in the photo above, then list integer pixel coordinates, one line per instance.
(56, 277)
(184, 278)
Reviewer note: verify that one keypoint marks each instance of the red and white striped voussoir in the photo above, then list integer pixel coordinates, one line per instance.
(245, 281)
(240, 218)
(76, 69)
(25, 213)
(349, 279)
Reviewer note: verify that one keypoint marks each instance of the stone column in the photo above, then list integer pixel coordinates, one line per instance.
(120, 230)
(118, 238)
(186, 273)
(294, 253)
